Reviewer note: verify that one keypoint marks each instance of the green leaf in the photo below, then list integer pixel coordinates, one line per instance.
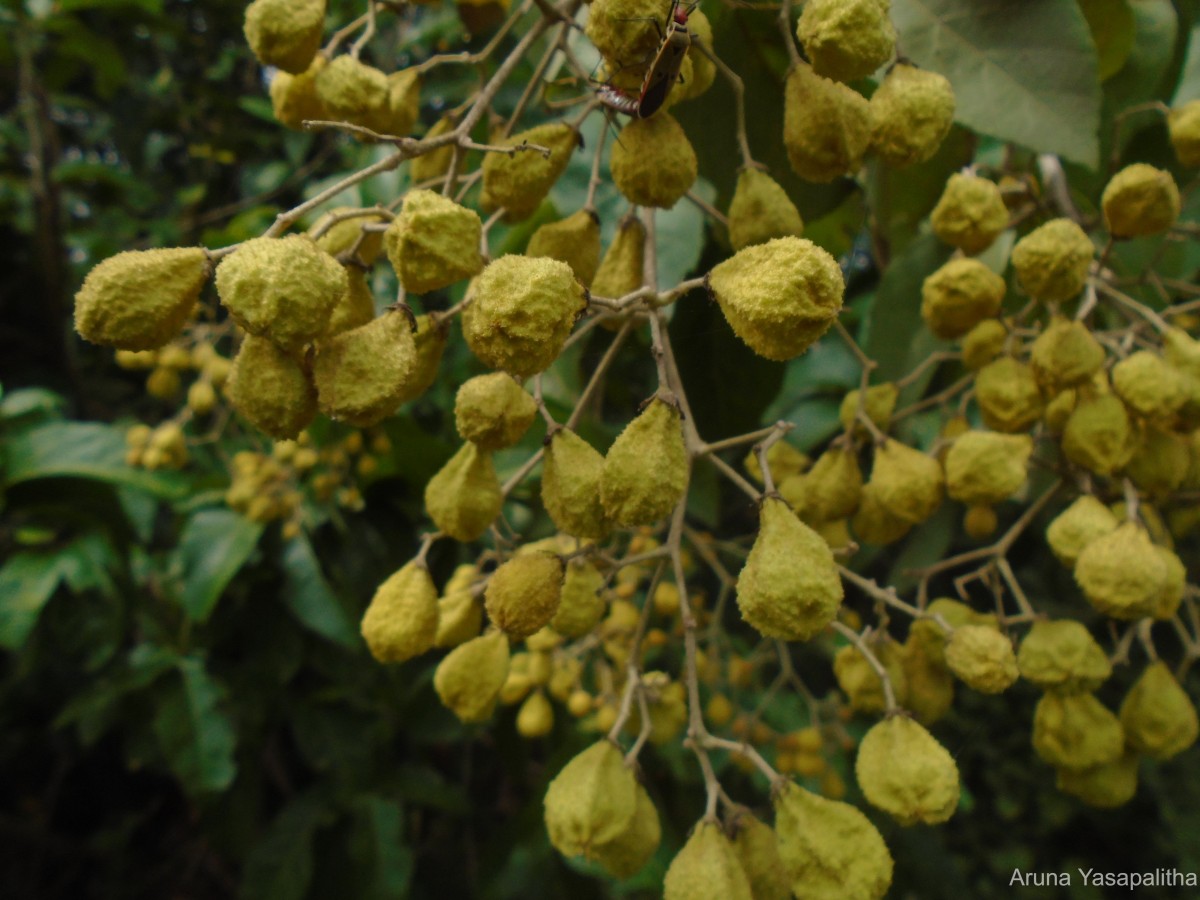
(83, 450)
(30, 402)
(1189, 78)
(1144, 73)
(27, 582)
(281, 866)
(214, 545)
(377, 845)
(1022, 72)
(1111, 24)
(197, 739)
(310, 598)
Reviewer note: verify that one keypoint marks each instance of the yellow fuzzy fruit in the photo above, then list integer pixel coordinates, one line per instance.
(434, 242)
(1121, 573)
(1085, 520)
(201, 398)
(1183, 126)
(1148, 385)
(469, 679)
(911, 114)
(591, 802)
(340, 235)
(1076, 731)
(626, 854)
(357, 306)
(285, 33)
(846, 39)
(1063, 656)
(904, 771)
(401, 620)
(790, 587)
(704, 70)
(294, 98)
(582, 603)
(140, 299)
(361, 374)
(779, 297)
(980, 521)
(860, 682)
(575, 240)
(404, 101)
(959, 296)
(520, 313)
(520, 182)
(1008, 395)
(829, 849)
(932, 637)
(1105, 786)
(493, 411)
(830, 490)
(535, 718)
(1052, 261)
(1158, 716)
(984, 467)
(667, 705)
(1160, 462)
(1099, 435)
(163, 383)
(430, 341)
(271, 389)
(354, 92)
(707, 868)
(970, 214)
(874, 523)
(879, 404)
(826, 125)
(982, 658)
(983, 343)
(435, 163)
(284, 289)
(627, 32)
(571, 473)
(761, 210)
(756, 848)
(463, 498)
(1171, 592)
(460, 612)
(1140, 200)
(1065, 354)
(653, 163)
(646, 470)
(1058, 410)
(906, 482)
(621, 271)
(783, 461)
(930, 692)
(523, 594)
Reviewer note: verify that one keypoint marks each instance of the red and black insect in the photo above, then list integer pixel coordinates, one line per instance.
(663, 71)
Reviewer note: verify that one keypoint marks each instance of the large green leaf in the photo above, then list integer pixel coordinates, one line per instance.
(196, 737)
(281, 866)
(1022, 72)
(309, 597)
(214, 545)
(378, 848)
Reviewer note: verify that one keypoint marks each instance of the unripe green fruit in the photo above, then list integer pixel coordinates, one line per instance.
(755, 844)
(140, 299)
(493, 411)
(1174, 585)
(829, 849)
(860, 682)
(826, 125)
(879, 404)
(1183, 126)
(653, 163)
(933, 638)
(621, 270)
(571, 473)
(1148, 385)
(783, 461)
(959, 296)
(1140, 200)
(905, 772)
(294, 98)
(535, 718)
(284, 289)
(401, 621)
(271, 389)
(285, 33)
(460, 611)
(1052, 261)
(1065, 354)
(582, 604)
(356, 308)
(624, 31)
(761, 210)
(520, 182)
(354, 92)
(575, 240)
(704, 70)
(1158, 716)
(627, 854)
(523, 594)
(163, 383)
(1076, 731)
(521, 312)
(874, 523)
(983, 343)
(1008, 395)
(434, 242)
(779, 297)
(591, 802)
(1105, 786)
(830, 490)
(469, 679)
(970, 214)
(201, 398)
(930, 693)
(435, 163)
(362, 374)
(911, 114)
(1121, 573)
(846, 39)
(906, 482)
(646, 469)
(707, 868)
(983, 467)
(1098, 435)
(430, 342)
(1077, 526)
(346, 234)
(790, 587)
(1160, 462)
(463, 498)
(1063, 656)
(982, 658)
(404, 101)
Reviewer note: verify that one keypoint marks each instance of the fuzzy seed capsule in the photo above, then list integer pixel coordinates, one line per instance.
(1008, 395)
(463, 498)
(469, 679)
(1148, 385)
(1065, 354)
(761, 210)
(1183, 126)
(646, 470)
(460, 611)
(493, 411)
(906, 482)
(621, 270)
(571, 473)
(1106, 786)
(1076, 731)
(285, 33)
(905, 772)
(361, 374)
(1077, 526)
(1140, 200)
(970, 214)
(351, 91)
(582, 603)
(755, 844)
(401, 620)
(520, 182)
(294, 98)
(272, 389)
(846, 39)
(878, 404)
(959, 296)
(434, 242)
(591, 802)
(1063, 656)
(1158, 716)
(826, 125)
(982, 658)
(523, 594)
(1121, 573)
(653, 163)
(574, 240)
(707, 868)
(1099, 435)
(1052, 261)
(911, 114)
(984, 467)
